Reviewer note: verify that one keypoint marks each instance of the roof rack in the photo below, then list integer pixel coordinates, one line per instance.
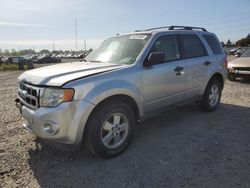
(174, 27)
(154, 28)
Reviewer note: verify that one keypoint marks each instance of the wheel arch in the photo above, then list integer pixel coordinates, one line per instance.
(218, 76)
(119, 97)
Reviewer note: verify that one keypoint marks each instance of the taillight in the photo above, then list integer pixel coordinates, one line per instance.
(225, 62)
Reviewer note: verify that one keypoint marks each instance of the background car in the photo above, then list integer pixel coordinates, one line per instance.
(47, 59)
(240, 51)
(16, 60)
(232, 52)
(240, 67)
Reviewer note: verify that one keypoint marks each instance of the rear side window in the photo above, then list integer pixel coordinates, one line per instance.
(213, 44)
(192, 46)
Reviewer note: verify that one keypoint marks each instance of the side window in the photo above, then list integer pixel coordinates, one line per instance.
(192, 46)
(213, 44)
(169, 45)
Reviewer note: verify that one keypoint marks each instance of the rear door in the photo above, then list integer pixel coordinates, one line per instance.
(218, 55)
(197, 59)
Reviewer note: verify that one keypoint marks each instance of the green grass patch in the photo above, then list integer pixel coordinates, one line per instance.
(11, 67)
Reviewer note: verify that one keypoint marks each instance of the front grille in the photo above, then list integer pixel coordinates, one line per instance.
(28, 95)
(242, 68)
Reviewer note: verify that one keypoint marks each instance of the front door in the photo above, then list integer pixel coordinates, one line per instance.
(164, 84)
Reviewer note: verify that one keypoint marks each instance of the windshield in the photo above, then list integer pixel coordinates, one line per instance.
(122, 49)
(246, 53)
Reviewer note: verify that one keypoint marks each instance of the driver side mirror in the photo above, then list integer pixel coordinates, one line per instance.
(155, 58)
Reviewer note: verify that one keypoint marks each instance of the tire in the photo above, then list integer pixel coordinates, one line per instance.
(211, 97)
(247, 79)
(230, 77)
(109, 129)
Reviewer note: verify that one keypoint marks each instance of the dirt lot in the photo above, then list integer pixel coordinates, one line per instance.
(180, 148)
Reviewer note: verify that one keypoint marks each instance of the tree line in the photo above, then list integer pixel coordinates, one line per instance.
(244, 42)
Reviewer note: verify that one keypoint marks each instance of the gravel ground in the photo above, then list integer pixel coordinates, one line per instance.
(183, 147)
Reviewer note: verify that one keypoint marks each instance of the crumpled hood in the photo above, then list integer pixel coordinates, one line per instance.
(241, 62)
(57, 75)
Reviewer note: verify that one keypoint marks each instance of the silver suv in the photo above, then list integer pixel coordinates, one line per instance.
(100, 100)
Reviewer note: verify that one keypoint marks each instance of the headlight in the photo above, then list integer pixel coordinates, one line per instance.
(230, 65)
(54, 96)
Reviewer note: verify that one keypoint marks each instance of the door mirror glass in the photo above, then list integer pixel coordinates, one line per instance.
(155, 58)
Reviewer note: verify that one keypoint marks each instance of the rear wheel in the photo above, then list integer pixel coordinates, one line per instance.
(211, 97)
(109, 129)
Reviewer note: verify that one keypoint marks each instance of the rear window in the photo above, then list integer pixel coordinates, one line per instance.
(213, 44)
(192, 46)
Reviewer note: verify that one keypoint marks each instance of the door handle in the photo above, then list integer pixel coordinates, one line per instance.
(178, 69)
(207, 63)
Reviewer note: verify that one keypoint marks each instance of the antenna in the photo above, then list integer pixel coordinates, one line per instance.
(85, 45)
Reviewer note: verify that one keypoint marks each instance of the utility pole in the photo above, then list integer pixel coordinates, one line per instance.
(85, 45)
(76, 32)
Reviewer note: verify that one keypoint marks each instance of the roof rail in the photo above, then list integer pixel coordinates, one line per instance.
(154, 28)
(174, 27)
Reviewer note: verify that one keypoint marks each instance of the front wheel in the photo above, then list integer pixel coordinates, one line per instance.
(109, 129)
(211, 97)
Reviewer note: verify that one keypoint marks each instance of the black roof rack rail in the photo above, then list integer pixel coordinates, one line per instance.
(174, 27)
(154, 28)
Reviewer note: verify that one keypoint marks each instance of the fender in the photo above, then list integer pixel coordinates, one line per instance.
(103, 91)
(210, 75)
(115, 87)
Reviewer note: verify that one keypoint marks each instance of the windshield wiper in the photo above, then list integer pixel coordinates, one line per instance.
(83, 60)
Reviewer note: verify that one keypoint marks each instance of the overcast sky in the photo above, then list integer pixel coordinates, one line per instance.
(40, 23)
